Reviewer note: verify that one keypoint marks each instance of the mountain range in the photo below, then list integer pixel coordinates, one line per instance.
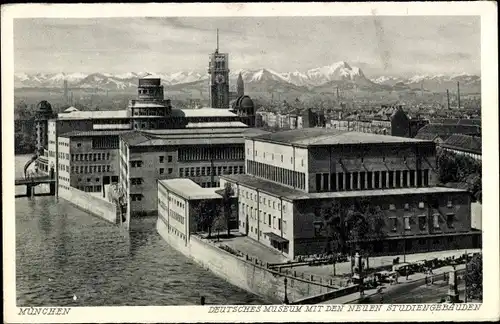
(318, 80)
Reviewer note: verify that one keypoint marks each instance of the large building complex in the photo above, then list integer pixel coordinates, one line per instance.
(294, 177)
(202, 155)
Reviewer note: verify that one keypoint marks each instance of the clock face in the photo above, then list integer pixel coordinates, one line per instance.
(219, 78)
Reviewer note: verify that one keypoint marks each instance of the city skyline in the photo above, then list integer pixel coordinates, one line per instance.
(398, 46)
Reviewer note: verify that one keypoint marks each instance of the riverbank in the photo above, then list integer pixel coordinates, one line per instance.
(250, 274)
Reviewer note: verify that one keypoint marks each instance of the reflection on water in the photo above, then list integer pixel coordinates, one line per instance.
(63, 251)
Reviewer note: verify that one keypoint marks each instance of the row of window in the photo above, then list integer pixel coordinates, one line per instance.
(177, 202)
(136, 164)
(83, 169)
(90, 157)
(207, 171)
(63, 167)
(176, 216)
(211, 153)
(210, 184)
(176, 232)
(90, 188)
(408, 221)
(63, 156)
(261, 217)
(372, 180)
(272, 157)
(284, 176)
(249, 195)
(161, 158)
(90, 179)
(63, 144)
(136, 197)
(63, 179)
(106, 142)
(169, 170)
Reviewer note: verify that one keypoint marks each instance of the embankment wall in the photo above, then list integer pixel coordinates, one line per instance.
(94, 205)
(242, 273)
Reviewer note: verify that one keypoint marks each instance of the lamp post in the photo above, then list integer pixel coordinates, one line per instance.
(285, 301)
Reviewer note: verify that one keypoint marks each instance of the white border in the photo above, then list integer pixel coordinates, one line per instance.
(489, 68)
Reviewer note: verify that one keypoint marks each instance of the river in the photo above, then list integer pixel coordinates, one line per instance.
(62, 252)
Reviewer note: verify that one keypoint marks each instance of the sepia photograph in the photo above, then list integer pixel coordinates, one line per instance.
(249, 164)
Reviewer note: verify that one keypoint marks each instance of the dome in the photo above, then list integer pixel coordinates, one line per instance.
(44, 106)
(244, 102)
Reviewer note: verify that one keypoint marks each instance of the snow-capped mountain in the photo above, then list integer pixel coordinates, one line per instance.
(336, 74)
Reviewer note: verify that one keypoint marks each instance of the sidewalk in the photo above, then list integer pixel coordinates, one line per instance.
(342, 269)
(402, 284)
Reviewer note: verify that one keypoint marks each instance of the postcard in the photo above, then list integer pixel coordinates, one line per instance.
(250, 162)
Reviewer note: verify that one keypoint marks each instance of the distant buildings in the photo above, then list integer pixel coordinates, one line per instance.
(441, 132)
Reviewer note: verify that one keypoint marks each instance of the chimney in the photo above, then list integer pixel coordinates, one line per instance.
(448, 97)
(458, 94)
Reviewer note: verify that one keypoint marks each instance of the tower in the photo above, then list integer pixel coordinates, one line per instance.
(218, 69)
(65, 91)
(240, 86)
(43, 114)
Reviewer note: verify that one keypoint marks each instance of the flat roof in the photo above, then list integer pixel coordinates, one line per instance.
(326, 136)
(178, 137)
(216, 124)
(138, 104)
(190, 190)
(98, 114)
(94, 133)
(287, 193)
(204, 112)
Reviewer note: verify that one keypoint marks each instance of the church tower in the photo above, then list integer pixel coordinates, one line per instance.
(240, 87)
(218, 70)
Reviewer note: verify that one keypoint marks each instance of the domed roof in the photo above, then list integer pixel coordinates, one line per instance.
(44, 105)
(244, 102)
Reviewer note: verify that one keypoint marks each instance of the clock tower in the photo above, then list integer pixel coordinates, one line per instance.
(218, 69)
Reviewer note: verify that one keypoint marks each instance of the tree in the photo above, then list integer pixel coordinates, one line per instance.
(227, 195)
(219, 224)
(207, 211)
(474, 277)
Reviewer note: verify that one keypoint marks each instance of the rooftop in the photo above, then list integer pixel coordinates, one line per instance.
(450, 129)
(94, 133)
(79, 114)
(324, 137)
(190, 190)
(464, 142)
(278, 190)
(216, 124)
(202, 112)
(188, 137)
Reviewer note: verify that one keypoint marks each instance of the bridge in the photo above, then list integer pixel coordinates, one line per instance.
(32, 182)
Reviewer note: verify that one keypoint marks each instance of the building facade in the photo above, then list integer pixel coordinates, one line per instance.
(293, 177)
(202, 155)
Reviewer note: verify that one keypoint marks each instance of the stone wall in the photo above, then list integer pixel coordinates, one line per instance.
(251, 276)
(90, 203)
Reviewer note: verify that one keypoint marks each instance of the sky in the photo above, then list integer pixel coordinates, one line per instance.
(379, 45)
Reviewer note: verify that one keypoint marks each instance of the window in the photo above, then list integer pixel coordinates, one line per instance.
(269, 219)
(407, 223)
(169, 158)
(421, 205)
(449, 220)
(449, 204)
(436, 221)
(279, 224)
(394, 223)
(162, 158)
(162, 170)
(78, 144)
(170, 170)
(422, 222)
